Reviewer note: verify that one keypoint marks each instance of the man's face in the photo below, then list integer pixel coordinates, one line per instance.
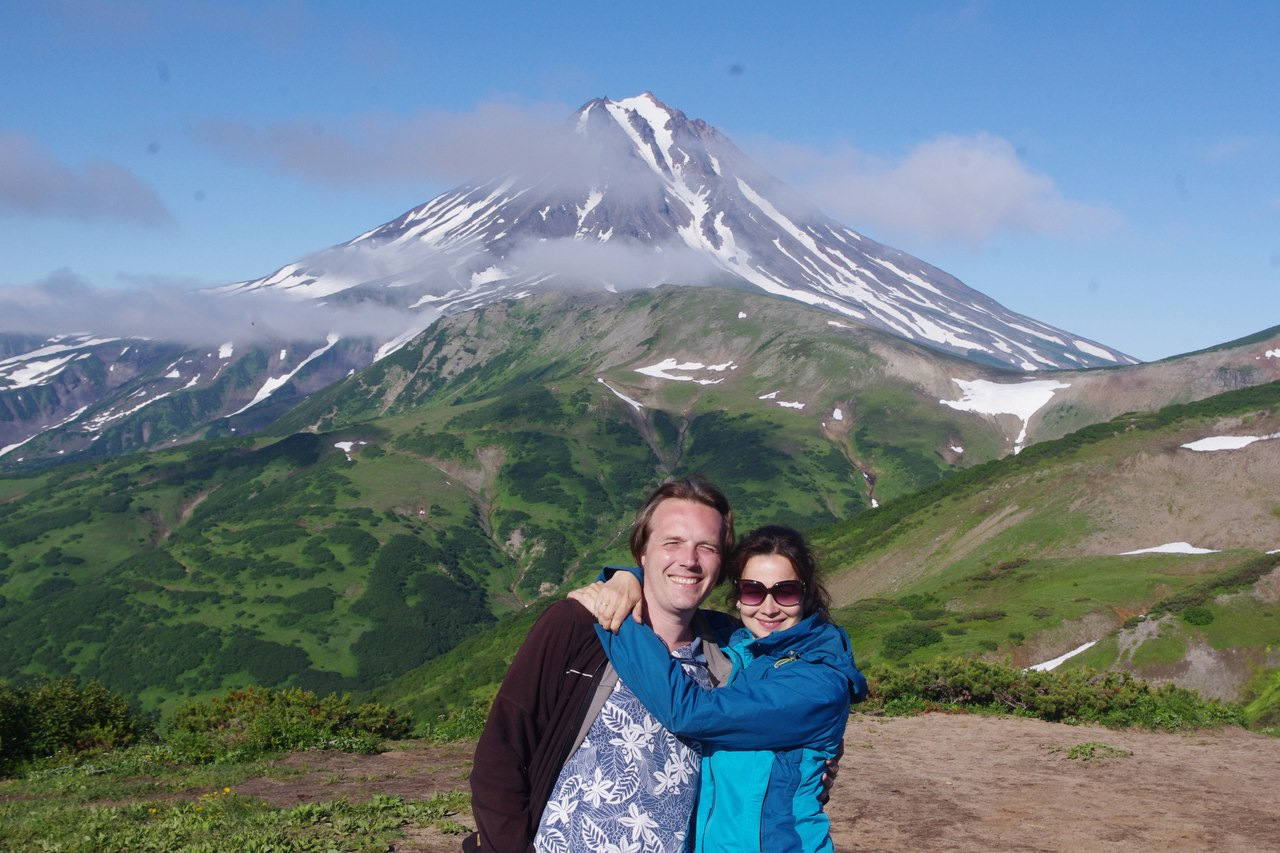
(682, 557)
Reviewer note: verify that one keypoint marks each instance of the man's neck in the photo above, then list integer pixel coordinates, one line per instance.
(674, 630)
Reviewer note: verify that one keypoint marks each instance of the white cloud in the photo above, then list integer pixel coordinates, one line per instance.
(1232, 147)
(966, 189)
(496, 138)
(624, 266)
(63, 302)
(34, 183)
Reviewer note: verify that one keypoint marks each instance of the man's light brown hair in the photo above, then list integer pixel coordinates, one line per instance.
(692, 488)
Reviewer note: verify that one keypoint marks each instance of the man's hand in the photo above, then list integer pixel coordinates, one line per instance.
(829, 777)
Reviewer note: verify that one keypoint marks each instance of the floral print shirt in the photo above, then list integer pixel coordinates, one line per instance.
(631, 785)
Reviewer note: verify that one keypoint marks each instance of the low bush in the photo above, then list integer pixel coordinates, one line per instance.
(1197, 614)
(253, 721)
(1262, 708)
(463, 724)
(45, 718)
(1114, 699)
(905, 639)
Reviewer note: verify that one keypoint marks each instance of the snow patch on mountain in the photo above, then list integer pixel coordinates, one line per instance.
(1061, 659)
(623, 397)
(662, 370)
(772, 396)
(69, 419)
(1093, 350)
(42, 365)
(1170, 548)
(97, 423)
(273, 384)
(1227, 442)
(1021, 399)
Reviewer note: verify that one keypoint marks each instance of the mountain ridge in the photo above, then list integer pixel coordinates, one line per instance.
(635, 170)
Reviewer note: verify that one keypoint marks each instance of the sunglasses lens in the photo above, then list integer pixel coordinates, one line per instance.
(787, 593)
(751, 593)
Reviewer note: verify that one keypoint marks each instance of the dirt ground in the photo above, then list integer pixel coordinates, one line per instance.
(946, 783)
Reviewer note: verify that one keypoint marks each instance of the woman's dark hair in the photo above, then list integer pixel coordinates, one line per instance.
(692, 488)
(788, 543)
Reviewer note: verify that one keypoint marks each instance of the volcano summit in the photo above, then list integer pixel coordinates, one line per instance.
(642, 195)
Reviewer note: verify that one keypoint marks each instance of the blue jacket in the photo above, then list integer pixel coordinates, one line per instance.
(766, 735)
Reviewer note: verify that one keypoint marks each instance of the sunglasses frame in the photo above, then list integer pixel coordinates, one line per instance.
(764, 592)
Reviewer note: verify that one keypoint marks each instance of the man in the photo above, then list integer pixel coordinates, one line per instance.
(569, 758)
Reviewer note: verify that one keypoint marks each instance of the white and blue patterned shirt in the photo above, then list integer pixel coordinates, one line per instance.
(631, 785)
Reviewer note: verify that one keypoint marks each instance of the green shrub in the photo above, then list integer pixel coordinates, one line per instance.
(991, 615)
(46, 718)
(1263, 705)
(903, 640)
(115, 503)
(252, 721)
(463, 724)
(1197, 614)
(1110, 698)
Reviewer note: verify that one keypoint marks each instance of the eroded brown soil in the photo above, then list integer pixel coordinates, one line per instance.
(942, 783)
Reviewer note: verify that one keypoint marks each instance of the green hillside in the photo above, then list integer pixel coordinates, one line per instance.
(340, 559)
(995, 563)
(1024, 559)
(435, 500)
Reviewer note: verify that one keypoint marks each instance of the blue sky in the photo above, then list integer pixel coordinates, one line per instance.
(1111, 168)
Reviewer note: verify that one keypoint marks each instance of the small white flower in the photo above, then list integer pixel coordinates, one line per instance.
(597, 790)
(559, 811)
(633, 740)
(641, 825)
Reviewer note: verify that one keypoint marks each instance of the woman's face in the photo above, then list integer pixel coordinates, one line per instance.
(768, 616)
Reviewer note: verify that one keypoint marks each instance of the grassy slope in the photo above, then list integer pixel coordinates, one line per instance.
(187, 571)
(996, 562)
(1021, 559)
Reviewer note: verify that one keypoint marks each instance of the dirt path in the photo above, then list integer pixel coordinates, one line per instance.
(946, 783)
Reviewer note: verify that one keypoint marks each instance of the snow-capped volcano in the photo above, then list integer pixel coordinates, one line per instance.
(646, 196)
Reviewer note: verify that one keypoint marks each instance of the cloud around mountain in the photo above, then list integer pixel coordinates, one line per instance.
(949, 189)
(496, 138)
(175, 311)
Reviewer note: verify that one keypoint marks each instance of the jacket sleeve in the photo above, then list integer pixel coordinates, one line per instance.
(500, 777)
(793, 705)
(609, 571)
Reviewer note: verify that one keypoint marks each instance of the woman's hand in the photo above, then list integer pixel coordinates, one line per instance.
(587, 596)
(612, 602)
(620, 597)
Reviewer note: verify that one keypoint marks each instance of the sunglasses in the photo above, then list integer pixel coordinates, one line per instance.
(785, 593)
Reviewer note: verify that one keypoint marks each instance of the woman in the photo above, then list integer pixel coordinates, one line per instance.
(768, 733)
